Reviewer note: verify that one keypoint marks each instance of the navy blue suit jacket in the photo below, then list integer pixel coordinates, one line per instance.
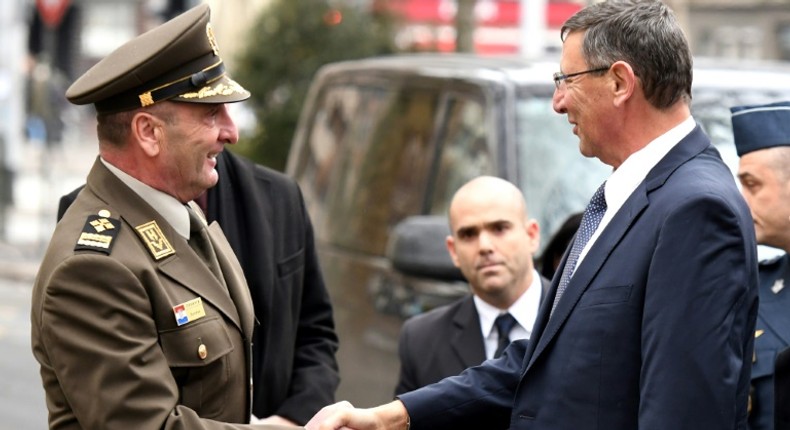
(655, 330)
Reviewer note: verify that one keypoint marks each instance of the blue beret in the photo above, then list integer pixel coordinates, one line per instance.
(760, 126)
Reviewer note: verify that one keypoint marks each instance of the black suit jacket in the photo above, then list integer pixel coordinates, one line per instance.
(263, 216)
(442, 343)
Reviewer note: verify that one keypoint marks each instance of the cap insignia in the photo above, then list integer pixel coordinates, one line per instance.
(220, 89)
(211, 39)
(98, 233)
(157, 242)
(146, 99)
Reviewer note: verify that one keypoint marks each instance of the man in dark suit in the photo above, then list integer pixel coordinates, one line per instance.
(649, 323)
(762, 139)
(493, 242)
(263, 216)
(141, 316)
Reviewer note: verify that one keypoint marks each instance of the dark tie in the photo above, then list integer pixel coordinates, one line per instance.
(504, 323)
(590, 219)
(200, 242)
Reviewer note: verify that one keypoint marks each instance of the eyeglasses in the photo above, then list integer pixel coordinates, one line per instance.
(559, 76)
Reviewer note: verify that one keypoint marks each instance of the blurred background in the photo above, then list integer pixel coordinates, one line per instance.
(273, 48)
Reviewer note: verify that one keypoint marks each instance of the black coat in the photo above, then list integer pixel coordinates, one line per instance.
(263, 216)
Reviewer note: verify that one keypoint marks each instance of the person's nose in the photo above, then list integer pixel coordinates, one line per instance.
(558, 99)
(485, 244)
(228, 132)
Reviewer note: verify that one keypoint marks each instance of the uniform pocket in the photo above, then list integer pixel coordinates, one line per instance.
(198, 356)
(196, 344)
(291, 264)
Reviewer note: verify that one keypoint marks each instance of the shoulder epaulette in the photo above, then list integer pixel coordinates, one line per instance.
(99, 233)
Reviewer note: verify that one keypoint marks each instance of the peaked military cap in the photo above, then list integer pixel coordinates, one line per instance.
(760, 126)
(178, 60)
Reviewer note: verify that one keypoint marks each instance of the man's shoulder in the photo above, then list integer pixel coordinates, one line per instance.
(439, 316)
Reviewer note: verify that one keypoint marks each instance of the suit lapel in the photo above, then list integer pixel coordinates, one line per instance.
(466, 339)
(621, 223)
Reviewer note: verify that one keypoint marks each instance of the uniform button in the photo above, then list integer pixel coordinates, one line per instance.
(202, 352)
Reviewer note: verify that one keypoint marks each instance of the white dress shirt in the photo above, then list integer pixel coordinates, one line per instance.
(623, 181)
(524, 310)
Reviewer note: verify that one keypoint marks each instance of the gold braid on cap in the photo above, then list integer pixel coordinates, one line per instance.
(185, 84)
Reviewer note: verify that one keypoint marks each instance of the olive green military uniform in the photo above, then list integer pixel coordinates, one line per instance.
(131, 328)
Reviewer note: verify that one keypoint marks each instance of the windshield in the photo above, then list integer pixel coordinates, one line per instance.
(556, 179)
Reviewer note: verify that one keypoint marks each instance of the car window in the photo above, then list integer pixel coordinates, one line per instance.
(371, 150)
(465, 149)
(556, 179)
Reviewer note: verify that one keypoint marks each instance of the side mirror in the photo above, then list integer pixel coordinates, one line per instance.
(416, 247)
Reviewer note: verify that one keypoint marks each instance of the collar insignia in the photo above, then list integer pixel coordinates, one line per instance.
(156, 241)
(778, 286)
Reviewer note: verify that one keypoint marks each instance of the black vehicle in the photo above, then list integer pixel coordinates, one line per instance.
(384, 140)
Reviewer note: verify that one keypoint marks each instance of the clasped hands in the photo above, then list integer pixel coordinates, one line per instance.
(344, 416)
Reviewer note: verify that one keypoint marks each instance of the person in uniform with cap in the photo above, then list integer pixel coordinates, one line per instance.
(141, 316)
(762, 139)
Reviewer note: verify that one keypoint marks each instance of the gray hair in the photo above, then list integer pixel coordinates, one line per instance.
(646, 35)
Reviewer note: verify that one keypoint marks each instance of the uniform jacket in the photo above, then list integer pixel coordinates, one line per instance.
(655, 330)
(782, 391)
(442, 343)
(265, 220)
(105, 331)
(263, 216)
(771, 336)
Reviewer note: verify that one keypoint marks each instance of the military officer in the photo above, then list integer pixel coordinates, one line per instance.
(762, 139)
(141, 317)
(782, 391)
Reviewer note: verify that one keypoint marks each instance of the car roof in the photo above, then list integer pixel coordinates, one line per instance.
(708, 72)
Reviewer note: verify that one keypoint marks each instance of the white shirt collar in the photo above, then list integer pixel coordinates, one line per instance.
(166, 205)
(524, 310)
(623, 181)
(635, 168)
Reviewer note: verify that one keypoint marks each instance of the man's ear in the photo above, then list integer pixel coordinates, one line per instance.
(624, 82)
(147, 132)
(533, 232)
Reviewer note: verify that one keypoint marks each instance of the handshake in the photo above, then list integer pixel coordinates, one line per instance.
(343, 416)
